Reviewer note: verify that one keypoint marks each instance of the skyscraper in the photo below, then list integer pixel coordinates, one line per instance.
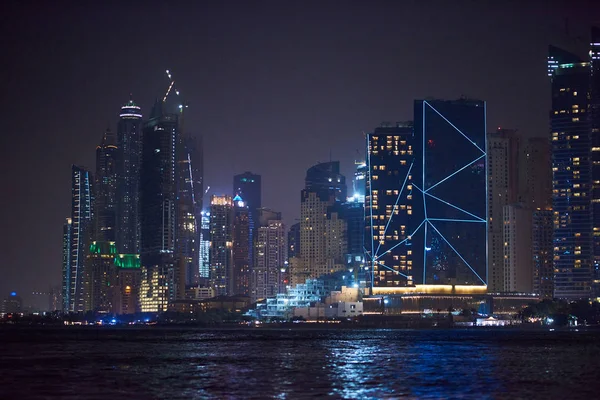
(503, 148)
(537, 193)
(327, 177)
(570, 124)
(240, 278)
(518, 268)
(158, 209)
(204, 251)
(271, 255)
(294, 240)
(541, 246)
(248, 187)
(449, 224)
(66, 264)
(81, 229)
(594, 110)
(221, 244)
(105, 189)
(389, 206)
(129, 144)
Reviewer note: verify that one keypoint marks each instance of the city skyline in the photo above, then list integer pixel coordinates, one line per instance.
(290, 137)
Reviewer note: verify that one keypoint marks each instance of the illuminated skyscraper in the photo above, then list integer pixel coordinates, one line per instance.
(66, 264)
(158, 209)
(503, 148)
(129, 143)
(221, 244)
(204, 258)
(450, 206)
(240, 279)
(572, 155)
(389, 206)
(594, 110)
(105, 189)
(269, 274)
(81, 229)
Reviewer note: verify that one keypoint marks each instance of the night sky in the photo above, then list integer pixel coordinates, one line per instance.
(272, 86)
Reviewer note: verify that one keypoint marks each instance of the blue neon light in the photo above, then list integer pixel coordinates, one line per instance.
(458, 208)
(456, 220)
(452, 125)
(460, 255)
(391, 269)
(13, 294)
(455, 172)
(402, 241)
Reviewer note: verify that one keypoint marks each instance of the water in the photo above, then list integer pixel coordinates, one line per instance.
(117, 363)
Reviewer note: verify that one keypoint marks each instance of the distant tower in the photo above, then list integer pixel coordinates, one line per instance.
(129, 144)
(80, 231)
(240, 279)
(221, 244)
(105, 189)
(269, 273)
(66, 264)
(158, 210)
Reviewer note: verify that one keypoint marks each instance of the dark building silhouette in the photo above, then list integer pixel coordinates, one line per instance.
(158, 209)
(327, 177)
(129, 144)
(450, 206)
(105, 189)
(240, 278)
(294, 240)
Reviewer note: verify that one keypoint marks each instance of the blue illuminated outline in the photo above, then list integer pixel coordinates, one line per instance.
(456, 220)
(460, 255)
(453, 206)
(456, 172)
(424, 253)
(395, 205)
(401, 242)
(452, 125)
(371, 210)
(391, 269)
(487, 207)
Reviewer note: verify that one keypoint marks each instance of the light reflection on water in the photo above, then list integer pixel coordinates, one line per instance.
(172, 364)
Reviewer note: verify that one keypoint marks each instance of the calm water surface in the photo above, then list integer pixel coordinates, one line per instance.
(421, 364)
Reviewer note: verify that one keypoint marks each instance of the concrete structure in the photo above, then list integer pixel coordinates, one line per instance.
(543, 251)
(518, 256)
(242, 242)
(221, 244)
(503, 149)
(270, 254)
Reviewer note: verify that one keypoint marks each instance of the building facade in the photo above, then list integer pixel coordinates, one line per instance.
(240, 278)
(572, 194)
(503, 150)
(221, 244)
(129, 144)
(268, 275)
(105, 189)
(158, 210)
(449, 219)
(518, 256)
(541, 246)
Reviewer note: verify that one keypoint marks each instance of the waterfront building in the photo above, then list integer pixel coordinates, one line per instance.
(129, 144)
(81, 226)
(503, 150)
(158, 210)
(543, 251)
(572, 194)
(66, 264)
(204, 247)
(269, 276)
(449, 212)
(221, 244)
(240, 278)
(126, 283)
(518, 257)
(100, 274)
(105, 189)
(389, 206)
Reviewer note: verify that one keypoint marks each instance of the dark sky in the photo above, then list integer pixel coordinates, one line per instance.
(272, 86)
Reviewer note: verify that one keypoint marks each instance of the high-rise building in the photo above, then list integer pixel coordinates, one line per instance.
(240, 278)
(99, 277)
(503, 149)
(129, 144)
(541, 246)
(189, 203)
(449, 212)
(294, 240)
(323, 241)
(204, 251)
(353, 211)
(221, 244)
(126, 282)
(389, 206)
(66, 264)
(327, 177)
(572, 193)
(11, 304)
(594, 110)
(158, 210)
(268, 275)
(81, 228)
(105, 189)
(537, 193)
(248, 187)
(518, 268)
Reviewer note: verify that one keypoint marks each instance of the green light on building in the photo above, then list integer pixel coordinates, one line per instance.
(106, 248)
(129, 261)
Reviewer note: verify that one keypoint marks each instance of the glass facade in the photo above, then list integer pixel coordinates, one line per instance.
(449, 224)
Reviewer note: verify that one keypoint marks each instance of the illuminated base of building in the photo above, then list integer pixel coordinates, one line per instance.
(153, 291)
(428, 289)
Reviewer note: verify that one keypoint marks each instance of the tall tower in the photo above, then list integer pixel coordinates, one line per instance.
(327, 177)
(129, 144)
(449, 224)
(503, 148)
(240, 279)
(594, 110)
(221, 244)
(158, 209)
(389, 206)
(106, 189)
(268, 275)
(572, 155)
(81, 229)
(66, 264)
